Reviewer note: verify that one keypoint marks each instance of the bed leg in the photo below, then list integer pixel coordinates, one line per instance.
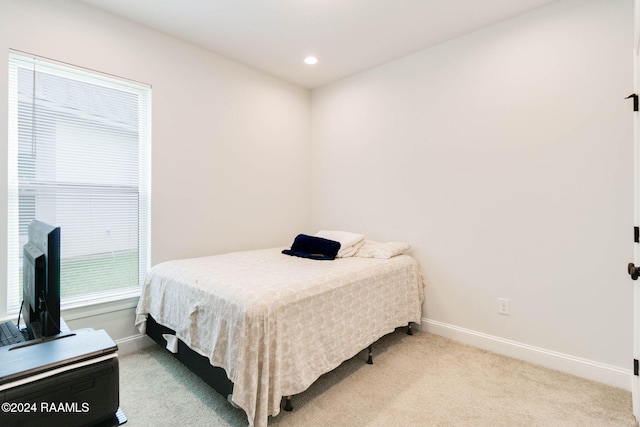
(409, 331)
(287, 404)
(370, 359)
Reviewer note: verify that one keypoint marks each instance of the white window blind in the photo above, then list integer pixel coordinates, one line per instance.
(79, 158)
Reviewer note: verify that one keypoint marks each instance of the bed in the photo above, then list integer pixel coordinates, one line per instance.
(275, 323)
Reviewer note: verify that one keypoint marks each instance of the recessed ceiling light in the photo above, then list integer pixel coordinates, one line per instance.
(310, 60)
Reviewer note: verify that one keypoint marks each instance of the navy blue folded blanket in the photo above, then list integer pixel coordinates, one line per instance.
(313, 247)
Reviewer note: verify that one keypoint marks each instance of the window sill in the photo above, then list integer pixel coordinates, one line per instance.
(74, 310)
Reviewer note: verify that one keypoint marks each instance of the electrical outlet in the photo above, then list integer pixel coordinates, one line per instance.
(503, 306)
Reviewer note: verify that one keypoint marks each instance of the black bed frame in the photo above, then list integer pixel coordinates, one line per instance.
(215, 376)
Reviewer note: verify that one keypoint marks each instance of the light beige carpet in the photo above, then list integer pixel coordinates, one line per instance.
(419, 380)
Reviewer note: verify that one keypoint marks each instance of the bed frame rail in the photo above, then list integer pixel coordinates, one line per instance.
(215, 376)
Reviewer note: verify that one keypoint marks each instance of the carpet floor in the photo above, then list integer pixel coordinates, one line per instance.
(419, 380)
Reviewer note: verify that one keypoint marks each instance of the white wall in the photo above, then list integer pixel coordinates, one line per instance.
(505, 158)
(230, 151)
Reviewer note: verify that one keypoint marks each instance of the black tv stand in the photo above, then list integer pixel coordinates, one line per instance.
(70, 379)
(42, 340)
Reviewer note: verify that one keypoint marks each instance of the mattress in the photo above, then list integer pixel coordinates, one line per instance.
(274, 322)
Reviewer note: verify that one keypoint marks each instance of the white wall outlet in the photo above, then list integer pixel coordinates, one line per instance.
(503, 306)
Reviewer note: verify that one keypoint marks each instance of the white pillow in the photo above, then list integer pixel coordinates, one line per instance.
(373, 249)
(349, 242)
(350, 251)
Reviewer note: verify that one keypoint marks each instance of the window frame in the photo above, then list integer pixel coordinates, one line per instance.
(144, 117)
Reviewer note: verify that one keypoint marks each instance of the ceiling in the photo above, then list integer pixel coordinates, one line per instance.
(347, 36)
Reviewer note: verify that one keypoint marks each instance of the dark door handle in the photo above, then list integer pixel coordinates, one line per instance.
(633, 271)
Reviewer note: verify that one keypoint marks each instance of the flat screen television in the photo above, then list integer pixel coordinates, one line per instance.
(41, 280)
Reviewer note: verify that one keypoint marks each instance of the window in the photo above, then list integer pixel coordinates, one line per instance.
(79, 145)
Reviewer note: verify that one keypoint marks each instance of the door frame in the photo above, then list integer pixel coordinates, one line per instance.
(635, 381)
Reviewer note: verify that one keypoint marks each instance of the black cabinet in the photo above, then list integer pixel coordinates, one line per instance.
(70, 380)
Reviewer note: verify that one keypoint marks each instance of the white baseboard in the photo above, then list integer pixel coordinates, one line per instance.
(584, 368)
(133, 343)
(589, 369)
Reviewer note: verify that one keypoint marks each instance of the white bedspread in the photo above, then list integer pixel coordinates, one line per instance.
(274, 322)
